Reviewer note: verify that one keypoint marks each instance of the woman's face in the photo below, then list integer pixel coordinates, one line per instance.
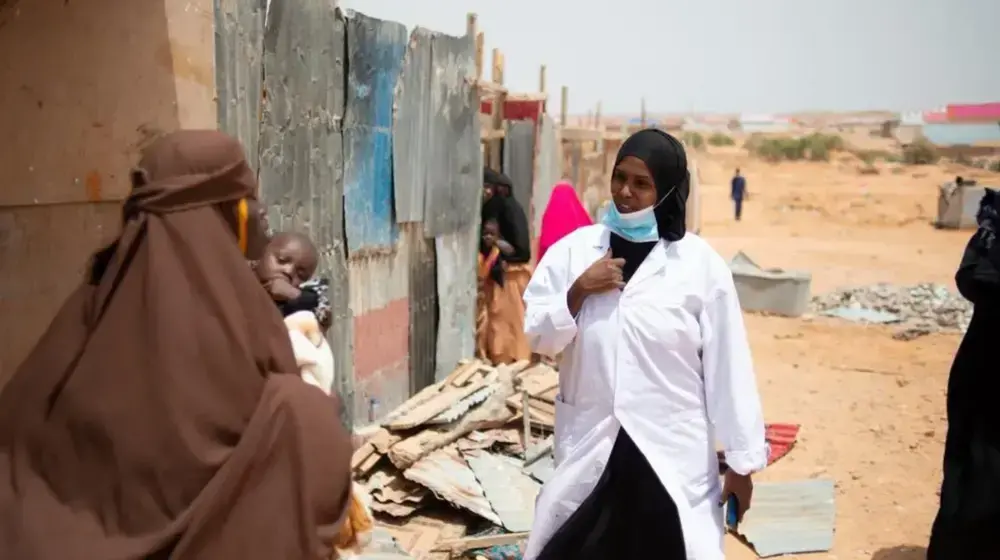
(488, 192)
(632, 186)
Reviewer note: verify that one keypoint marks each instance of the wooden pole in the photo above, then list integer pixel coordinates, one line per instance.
(480, 54)
(642, 113)
(597, 115)
(471, 24)
(472, 31)
(564, 106)
(541, 88)
(496, 114)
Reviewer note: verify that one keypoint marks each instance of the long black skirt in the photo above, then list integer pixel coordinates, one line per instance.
(628, 515)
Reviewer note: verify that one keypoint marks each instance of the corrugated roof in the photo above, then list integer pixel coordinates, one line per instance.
(446, 474)
(511, 492)
(790, 518)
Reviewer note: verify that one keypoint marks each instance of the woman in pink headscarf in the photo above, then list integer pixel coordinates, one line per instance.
(563, 215)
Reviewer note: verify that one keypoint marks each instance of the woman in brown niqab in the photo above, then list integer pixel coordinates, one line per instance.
(161, 414)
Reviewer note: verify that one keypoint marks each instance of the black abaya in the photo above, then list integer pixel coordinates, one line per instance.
(628, 515)
(969, 514)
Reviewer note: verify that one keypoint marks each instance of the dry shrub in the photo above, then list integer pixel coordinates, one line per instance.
(694, 139)
(920, 152)
(720, 139)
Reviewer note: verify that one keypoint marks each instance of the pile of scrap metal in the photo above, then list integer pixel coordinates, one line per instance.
(454, 471)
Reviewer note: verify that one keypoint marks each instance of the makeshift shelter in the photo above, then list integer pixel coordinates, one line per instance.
(957, 205)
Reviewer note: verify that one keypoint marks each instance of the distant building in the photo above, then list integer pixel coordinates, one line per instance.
(755, 123)
(979, 113)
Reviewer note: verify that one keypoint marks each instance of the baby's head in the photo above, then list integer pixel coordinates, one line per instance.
(288, 255)
(491, 232)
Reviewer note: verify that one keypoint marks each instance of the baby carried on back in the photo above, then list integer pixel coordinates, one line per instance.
(286, 271)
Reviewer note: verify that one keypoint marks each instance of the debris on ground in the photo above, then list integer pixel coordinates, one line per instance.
(919, 309)
(452, 471)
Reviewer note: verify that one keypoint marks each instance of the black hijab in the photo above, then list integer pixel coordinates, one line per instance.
(509, 215)
(666, 160)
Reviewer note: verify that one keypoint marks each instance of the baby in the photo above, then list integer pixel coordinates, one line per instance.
(286, 270)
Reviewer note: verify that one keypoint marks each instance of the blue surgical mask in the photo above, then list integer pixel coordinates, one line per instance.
(637, 227)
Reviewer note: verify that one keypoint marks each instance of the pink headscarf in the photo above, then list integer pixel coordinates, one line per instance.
(563, 215)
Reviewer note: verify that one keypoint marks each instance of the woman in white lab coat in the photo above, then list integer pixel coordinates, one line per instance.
(655, 370)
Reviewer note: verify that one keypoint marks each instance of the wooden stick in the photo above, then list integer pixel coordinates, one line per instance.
(526, 415)
(480, 54)
(541, 79)
(458, 546)
(564, 106)
(472, 31)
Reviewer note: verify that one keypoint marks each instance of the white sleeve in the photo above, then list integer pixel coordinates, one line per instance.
(730, 386)
(547, 321)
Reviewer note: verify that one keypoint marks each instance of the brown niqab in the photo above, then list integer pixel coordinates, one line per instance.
(159, 416)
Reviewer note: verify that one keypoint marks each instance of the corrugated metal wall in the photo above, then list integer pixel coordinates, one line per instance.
(519, 160)
(375, 51)
(548, 170)
(301, 148)
(412, 129)
(454, 184)
(336, 164)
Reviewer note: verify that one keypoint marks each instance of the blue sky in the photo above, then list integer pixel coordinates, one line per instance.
(732, 55)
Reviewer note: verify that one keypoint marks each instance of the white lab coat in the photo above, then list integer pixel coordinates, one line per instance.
(667, 359)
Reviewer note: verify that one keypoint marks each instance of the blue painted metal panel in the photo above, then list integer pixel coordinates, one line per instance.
(375, 50)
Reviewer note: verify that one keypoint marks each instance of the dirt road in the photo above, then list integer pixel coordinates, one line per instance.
(872, 408)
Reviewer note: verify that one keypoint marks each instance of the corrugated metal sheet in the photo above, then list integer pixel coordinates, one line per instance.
(454, 184)
(957, 134)
(780, 440)
(974, 112)
(423, 308)
(239, 50)
(374, 59)
(446, 474)
(412, 127)
(548, 170)
(382, 547)
(510, 492)
(790, 518)
(301, 165)
(543, 469)
(519, 160)
(380, 282)
(457, 255)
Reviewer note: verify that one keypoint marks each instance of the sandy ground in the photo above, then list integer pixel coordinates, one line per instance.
(872, 409)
